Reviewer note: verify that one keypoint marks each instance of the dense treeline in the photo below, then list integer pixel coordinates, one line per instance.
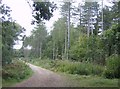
(90, 41)
(97, 46)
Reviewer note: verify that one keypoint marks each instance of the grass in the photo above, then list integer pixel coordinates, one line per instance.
(0, 76)
(0, 82)
(14, 73)
(11, 81)
(90, 81)
(70, 67)
(78, 74)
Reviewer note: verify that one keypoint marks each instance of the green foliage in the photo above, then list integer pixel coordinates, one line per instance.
(0, 46)
(95, 48)
(58, 37)
(78, 50)
(115, 10)
(10, 33)
(64, 9)
(87, 49)
(81, 68)
(90, 81)
(43, 11)
(6, 34)
(35, 41)
(111, 40)
(5, 12)
(17, 70)
(47, 52)
(107, 18)
(112, 67)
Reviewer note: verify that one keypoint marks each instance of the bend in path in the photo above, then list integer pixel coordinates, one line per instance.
(43, 78)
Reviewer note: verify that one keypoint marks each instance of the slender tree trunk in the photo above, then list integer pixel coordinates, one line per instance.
(89, 22)
(65, 41)
(102, 17)
(88, 28)
(68, 31)
(80, 12)
(62, 52)
(53, 51)
(40, 50)
(56, 56)
(92, 31)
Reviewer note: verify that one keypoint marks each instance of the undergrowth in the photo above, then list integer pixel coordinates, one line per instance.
(15, 72)
(70, 67)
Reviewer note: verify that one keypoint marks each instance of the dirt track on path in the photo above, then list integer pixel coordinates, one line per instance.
(43, 78)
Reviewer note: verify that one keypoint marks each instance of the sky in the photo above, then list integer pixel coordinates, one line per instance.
(22, 14)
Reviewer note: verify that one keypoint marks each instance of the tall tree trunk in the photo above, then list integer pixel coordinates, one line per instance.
(65, 42)
(92, 31)
(68, 31)
(56, 56)
(88, 28)
(80, 13)
(40, 50)
(102, 17)
(88, 18)
(53, 50)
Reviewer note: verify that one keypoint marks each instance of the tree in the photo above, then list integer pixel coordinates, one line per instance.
(66, 8)
(89, 17)
(58, 36)
(10, 33)
(107, 18)
(43, 11)
(87, 49)
(111, 40)
(36, 40)
(110, 15)
(115, 10)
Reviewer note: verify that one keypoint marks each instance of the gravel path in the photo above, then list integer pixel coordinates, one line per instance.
(43, 78)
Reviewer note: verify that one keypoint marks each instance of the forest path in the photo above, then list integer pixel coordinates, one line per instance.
(43, 78)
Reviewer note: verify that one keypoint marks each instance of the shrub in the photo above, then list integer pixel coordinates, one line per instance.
(16, 70)
(71, 67)
(81, 68)
(112, 67)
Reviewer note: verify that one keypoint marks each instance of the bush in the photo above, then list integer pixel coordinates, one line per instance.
(81, 68)
(112, 67)
(16, 70)
(71, 67)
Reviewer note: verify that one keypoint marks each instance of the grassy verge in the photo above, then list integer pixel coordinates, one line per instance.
(90, 81)
(0, 76)
(14, 73)
(70, 67)
(0, 82)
